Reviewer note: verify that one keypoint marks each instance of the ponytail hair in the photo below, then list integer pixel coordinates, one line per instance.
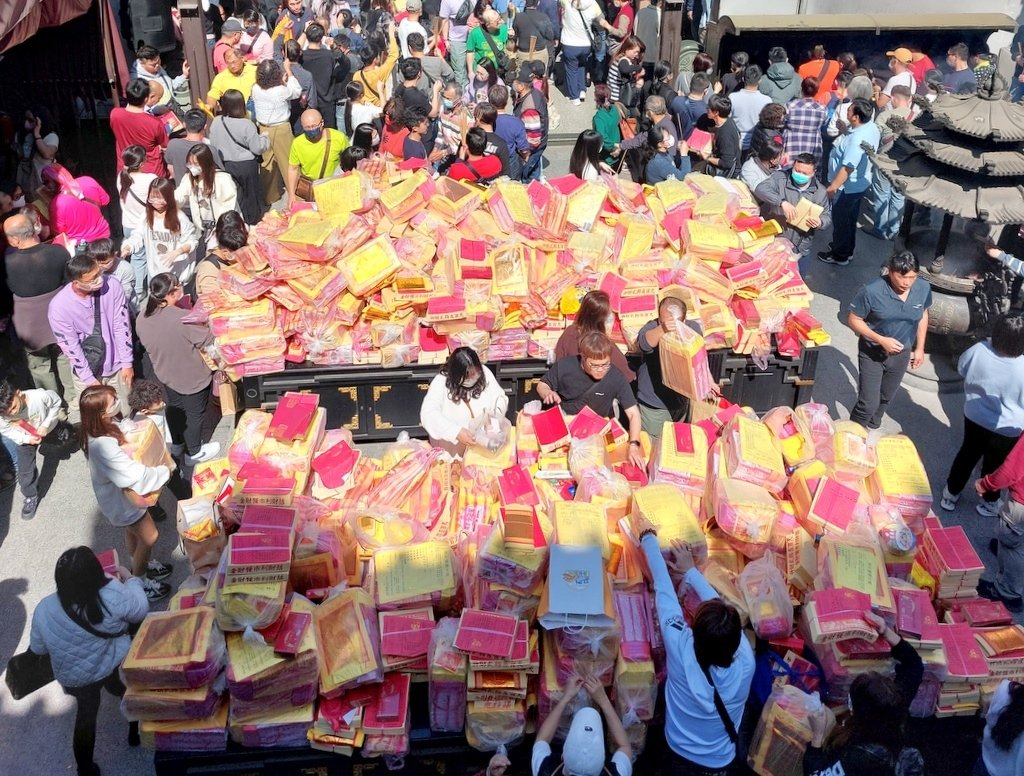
(159, 287)
(354, 91)
(132, 159)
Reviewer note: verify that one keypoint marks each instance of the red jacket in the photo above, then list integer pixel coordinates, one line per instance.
(1010, 474)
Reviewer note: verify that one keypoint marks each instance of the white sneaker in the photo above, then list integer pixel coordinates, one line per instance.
(583, 95)
(948, 501)
(988, 509)
(575, 102)
(206, 452)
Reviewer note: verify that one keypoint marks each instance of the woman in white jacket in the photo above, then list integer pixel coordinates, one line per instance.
(206, 192)
(83, 627)
(133, 189)
(112, 470)
(459, 400)
(168, 236)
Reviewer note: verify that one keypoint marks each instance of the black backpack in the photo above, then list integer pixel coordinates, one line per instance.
(463, 14)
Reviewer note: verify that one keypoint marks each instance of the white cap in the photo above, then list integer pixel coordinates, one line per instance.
(583, 753)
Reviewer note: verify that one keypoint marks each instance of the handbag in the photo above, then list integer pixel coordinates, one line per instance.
(257, 157)
(28, 672)
(627, 125)
(93, 347)
(629, 95)
(304, 186)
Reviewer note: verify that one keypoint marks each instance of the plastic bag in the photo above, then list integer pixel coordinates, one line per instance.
(783, 732)
(201, 534)
(590, 642)
(584, 454)
(241, 608)
(791, 434)
(751, 455)
(819, 424)
(493, 431)
(853, 454)
(379, 527)
(746, 512)
(447, 679)
(893, 531)
(767, 597)
(490, 724)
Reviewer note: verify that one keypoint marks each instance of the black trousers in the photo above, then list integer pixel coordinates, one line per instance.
(879, 378)
(678, 765)
(84, 741)
(979, 444)
(250, 192)
(185, 413)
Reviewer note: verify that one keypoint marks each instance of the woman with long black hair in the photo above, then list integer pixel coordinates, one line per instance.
(458, 401)
(660, 160)
(241, 146)
(83, 627)
(870, 739)
(133, 189)
(174, 346)
(206, 191)
(168, 236)
(357, 110)
(585, 161)
(1002, 748)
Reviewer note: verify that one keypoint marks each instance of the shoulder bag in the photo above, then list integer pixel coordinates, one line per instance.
(594, 43)
(730, 728)
(304, 186)
(28, 672)
(93, 347)
(500, 57)
(243, 146)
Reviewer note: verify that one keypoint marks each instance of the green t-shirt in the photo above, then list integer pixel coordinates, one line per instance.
(481, 49)
(309, 157)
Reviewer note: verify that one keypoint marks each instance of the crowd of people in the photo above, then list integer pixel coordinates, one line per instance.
(463, 88)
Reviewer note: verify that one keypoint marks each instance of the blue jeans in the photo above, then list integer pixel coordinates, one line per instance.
(575, 60)
(888, 206)
(534, 166)
(845, 210)
(138, 262)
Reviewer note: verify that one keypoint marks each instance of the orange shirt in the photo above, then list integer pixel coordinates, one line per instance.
(813, 69)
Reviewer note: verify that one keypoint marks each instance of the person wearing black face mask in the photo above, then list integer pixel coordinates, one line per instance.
(459, 401)
(314, 154)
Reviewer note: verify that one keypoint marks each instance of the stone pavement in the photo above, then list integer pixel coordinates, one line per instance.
(37, 730)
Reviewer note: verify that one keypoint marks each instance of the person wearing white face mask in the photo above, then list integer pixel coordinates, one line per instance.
(206, 192)
(459, 401)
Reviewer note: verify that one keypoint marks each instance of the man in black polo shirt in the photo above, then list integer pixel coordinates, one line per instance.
(890, 315)
(657, 402)
(590, 380)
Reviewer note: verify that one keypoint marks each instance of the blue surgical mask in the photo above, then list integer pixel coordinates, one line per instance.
(312, 135)
(799, 178)
(448, 104)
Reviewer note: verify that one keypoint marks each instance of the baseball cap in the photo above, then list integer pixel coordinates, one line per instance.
(231, 25)
(583, 753)
(904, 55)
(413, 5)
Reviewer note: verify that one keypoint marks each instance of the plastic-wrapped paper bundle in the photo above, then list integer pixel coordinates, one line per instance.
(854, 559)
(684, 363)
(401, 479)
(490, 724)
(433, 582)
(175, 651)
(583, 662)
(853, 456)
(550, 692)
(819, 423)
(607, 489)
(599, 644)
(196, 735)
(376, 528)
(666, 507)
(198, 703)
(783, 732)
(900, 478)
(791, 434)
(348, 641)
(636, 688)
(767, 597)
(519, 568)
(247, 606)
(751, 455)
(581, 524)
(287, 727)
(248, 437)
(682, 457)
(447, 679)
(586, 453)
(747, 513)
(259, 680)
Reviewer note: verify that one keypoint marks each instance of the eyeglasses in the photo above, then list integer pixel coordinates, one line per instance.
(599, 367)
